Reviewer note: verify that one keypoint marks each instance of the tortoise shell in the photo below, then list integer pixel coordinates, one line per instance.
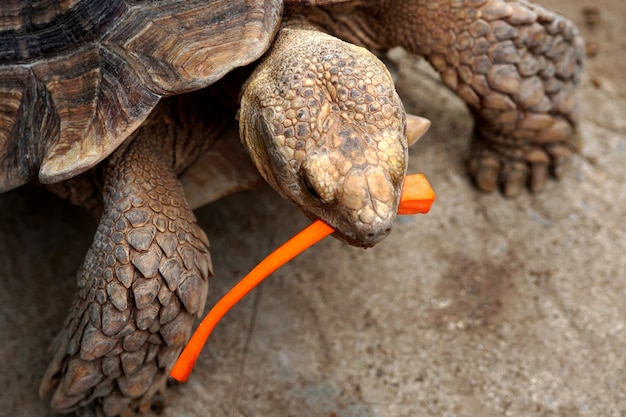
(77, 77)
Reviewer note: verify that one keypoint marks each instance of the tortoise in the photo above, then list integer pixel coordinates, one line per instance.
(84, 107)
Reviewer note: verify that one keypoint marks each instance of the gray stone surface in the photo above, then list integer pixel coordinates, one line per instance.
(484, 307)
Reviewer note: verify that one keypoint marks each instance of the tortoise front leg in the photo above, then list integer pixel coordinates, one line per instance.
(142, 281)
(515, 64)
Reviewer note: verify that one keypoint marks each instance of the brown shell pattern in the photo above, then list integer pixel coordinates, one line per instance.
(77, 77)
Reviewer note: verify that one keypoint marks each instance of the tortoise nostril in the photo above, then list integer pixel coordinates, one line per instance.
(315, 180)
(312, 190)
(375, 236)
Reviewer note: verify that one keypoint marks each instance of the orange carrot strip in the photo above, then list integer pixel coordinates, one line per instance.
(417, 197)
(289, 250)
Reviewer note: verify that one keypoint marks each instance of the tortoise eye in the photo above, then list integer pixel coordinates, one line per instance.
(310, 189)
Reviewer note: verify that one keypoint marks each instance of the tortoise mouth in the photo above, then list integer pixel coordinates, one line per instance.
(353, 232)
(367, 240)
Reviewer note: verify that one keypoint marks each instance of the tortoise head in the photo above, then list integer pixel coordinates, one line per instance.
(325, 127)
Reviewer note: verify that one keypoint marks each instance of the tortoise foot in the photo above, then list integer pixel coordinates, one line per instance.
(511, 170)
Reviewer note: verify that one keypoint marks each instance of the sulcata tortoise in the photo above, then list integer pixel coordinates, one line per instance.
(81, 109)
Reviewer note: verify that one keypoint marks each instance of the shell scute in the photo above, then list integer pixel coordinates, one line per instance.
(81, 79)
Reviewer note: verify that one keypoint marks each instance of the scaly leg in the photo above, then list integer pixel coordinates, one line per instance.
(142, 282)
(515, 64)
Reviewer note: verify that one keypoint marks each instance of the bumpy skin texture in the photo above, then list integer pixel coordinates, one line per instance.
(515, 64)
(143, 281)
(326, 129)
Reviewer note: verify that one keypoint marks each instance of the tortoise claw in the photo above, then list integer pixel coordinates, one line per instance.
(538, 177)
(513, 178)
(484, 170)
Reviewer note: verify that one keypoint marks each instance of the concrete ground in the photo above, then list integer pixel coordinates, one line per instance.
(484, 307)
